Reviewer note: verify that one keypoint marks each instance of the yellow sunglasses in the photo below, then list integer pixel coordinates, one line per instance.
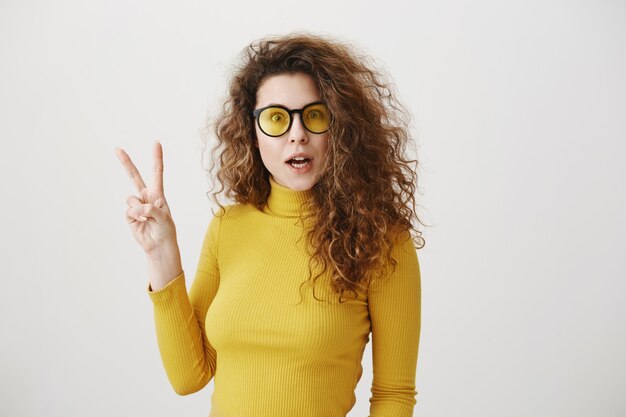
(275, 120)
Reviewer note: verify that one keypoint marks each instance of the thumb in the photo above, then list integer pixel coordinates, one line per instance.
(152, 211)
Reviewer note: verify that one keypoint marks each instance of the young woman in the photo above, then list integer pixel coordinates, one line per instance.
(314, 254)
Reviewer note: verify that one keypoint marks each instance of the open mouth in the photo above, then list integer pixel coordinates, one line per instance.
(300, 165)
(299, 162)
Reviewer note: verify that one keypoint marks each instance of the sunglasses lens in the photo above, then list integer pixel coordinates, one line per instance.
(315, 118)
(274, 121)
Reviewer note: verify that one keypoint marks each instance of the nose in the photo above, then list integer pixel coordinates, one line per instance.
(297, 132)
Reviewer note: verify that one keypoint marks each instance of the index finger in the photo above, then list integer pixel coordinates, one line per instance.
(158, 167)
(131, 169)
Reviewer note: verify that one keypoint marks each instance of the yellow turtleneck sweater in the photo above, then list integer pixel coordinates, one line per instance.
(269, 356)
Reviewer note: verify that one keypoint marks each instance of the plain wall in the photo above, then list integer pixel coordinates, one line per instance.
(519, 118)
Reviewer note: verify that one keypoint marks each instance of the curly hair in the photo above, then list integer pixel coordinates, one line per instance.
(364, 198)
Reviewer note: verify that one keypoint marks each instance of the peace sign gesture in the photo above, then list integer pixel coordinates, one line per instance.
(148, 214)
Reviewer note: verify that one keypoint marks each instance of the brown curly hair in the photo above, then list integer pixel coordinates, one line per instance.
(364, 197)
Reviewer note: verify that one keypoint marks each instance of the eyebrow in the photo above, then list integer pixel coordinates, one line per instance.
(290, 108)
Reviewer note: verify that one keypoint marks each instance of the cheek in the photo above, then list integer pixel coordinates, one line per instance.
(323, 145)
(269, 151)
(323, 152)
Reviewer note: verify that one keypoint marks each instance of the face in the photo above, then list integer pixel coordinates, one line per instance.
(293, 91)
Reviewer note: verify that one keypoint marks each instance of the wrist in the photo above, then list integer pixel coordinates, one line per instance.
(164, 251)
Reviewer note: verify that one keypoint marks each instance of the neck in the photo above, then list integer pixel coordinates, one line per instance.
(285, 202)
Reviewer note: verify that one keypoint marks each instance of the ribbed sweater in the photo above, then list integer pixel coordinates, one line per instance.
(271, 348)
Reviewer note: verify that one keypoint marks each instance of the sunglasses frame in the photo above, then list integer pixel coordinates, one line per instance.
(290, 112)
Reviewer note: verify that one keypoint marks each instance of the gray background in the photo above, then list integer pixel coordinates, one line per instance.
(519, 114)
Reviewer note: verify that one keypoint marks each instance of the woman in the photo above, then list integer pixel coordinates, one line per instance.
(315, 253)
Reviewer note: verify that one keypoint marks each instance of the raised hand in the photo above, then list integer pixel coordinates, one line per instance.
(148, 213)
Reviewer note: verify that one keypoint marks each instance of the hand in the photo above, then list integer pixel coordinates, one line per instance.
(148, 213)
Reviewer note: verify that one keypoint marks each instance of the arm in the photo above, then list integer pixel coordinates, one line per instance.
(188, 357)
(395, 313)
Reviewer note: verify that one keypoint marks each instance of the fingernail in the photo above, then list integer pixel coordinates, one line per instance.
(158, 202)
(144, 218)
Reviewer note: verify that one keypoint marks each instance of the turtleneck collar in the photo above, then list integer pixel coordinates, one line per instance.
(285, 202)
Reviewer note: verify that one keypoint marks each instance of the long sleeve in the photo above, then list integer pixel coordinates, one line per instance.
(187, 355)
(395, 314)
(284, 349)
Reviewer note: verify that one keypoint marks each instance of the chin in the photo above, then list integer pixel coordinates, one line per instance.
(297, 184)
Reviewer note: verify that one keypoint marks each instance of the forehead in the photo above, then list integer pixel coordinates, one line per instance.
(290, 90)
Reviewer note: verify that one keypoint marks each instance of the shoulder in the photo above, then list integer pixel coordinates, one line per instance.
(400, 237)
(231, 213)
(226, 215)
